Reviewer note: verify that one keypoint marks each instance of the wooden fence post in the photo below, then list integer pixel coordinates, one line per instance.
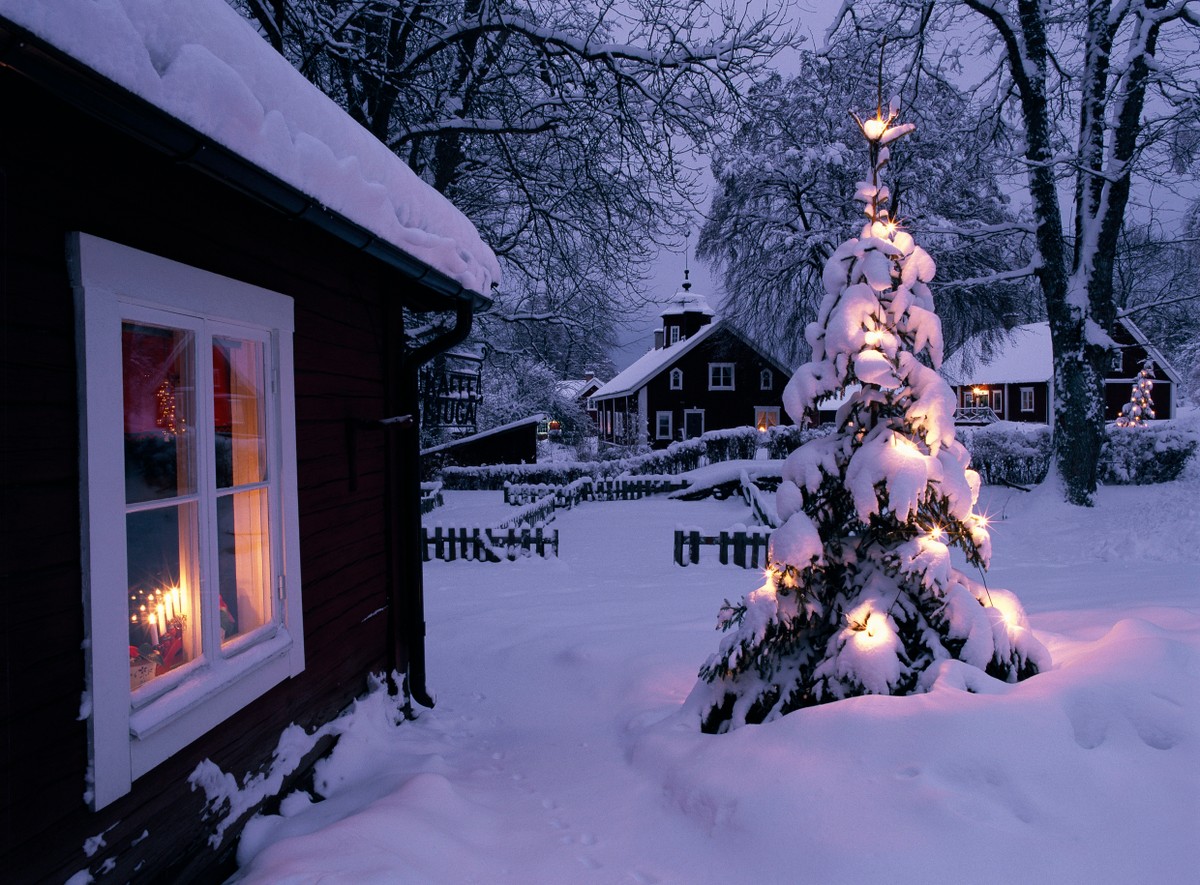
(739, 548)
(694, 544)
(723, 550)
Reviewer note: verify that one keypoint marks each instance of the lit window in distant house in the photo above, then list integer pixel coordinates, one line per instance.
(674, 334)
(1026, 399)
(677, 379)
(662, 425)
(720, 376)
(189, 503)
(766, 417)
(766, 380)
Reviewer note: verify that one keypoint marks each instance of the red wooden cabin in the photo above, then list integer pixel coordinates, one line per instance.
(210, 526)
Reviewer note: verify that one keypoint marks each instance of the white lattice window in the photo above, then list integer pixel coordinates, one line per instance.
(663, 425)
(190, 541)
(720, 376)
(677, 379)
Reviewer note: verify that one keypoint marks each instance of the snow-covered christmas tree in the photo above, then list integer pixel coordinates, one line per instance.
(860, 595)
(1140, 407)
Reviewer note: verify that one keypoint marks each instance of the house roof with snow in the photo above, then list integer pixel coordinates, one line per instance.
(686, 301)
(1026, 356)
(652, 362)
(574, 388)
(536, 418)
(253, 114)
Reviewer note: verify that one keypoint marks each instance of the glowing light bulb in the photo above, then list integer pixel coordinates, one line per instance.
(874, 128)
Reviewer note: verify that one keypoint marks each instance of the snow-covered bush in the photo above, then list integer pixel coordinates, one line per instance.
(1155, 453)
(860, 595)
(1008, 452)
(783, 439)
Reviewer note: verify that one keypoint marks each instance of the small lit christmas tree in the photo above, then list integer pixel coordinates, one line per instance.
(1140, 407)
(860, 595)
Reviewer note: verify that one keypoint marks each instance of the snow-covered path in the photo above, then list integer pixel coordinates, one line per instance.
(556, 752)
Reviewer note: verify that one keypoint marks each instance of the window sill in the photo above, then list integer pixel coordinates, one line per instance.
(213, 694)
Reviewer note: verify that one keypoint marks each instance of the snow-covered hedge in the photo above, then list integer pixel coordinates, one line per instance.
(1147, 454)
(733, 444)
(1008, 452)
(1020, 453)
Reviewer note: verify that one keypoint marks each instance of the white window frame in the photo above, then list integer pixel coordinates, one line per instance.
(715, 383)
(997, 401)
(130, 733)
(766, 380)
(1027, 399)
(676, 379)
(658, 425)
(618, 424)
(769, 411)
(674, 334)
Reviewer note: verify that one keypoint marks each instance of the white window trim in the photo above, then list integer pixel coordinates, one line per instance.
(768, 410)
(997, 405)
(712, 368)
(766, 380)
(674, 335)
(111, 280)
(676, 379)
(1027, 392)
(658, 427)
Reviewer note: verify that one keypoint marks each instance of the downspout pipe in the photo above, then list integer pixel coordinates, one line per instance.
(408, 591)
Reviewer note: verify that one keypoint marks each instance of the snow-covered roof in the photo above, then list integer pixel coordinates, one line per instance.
(203, 64)
(1025, 356)
(651, 363)
(484, 434)
(686, 301)
(573, 388)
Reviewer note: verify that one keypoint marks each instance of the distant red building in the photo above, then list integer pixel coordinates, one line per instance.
(1014, 383)
(702, 374)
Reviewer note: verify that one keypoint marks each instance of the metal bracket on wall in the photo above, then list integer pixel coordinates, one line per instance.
(354, 426)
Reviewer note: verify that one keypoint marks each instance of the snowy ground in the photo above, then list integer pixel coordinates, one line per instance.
(556, 752)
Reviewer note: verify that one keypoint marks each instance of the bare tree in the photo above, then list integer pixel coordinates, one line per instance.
(560, 127)
(1096, 89)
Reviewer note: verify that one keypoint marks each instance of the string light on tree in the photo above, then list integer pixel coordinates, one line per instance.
(1140, 407)
(861, 596)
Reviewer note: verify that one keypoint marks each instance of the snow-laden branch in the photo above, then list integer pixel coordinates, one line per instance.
(1130, 311)
(1005, 276)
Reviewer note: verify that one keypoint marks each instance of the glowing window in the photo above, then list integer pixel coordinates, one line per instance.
(189, 503)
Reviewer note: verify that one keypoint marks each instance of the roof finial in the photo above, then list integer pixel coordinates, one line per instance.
(686, 284)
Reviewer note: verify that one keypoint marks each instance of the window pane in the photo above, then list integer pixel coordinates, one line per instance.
(161, 550)
(244, 562)
(238, 394)
(159, 381)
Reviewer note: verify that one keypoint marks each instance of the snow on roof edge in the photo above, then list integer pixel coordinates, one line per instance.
(204, 65)
(650, 363)
(483, 434)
